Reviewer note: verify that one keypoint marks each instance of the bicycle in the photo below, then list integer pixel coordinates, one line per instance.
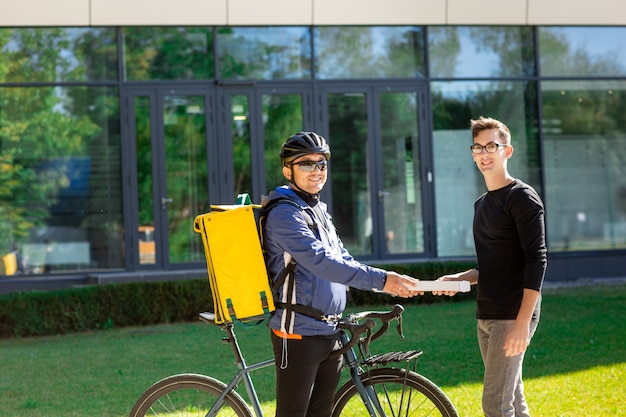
(374, 389)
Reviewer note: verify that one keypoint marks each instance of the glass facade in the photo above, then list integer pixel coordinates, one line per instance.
(350, 171)
(61, 199)
(479, 51)
(584, 136)
(582, 51)
(282, 117)
(58, 55)
(402, 165)
(168, 53)
(266, 53)
(113, 139)
(369, 52)
(585, 158)
(457, 181)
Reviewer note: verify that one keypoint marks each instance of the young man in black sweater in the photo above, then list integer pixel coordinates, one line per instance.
(509, 235)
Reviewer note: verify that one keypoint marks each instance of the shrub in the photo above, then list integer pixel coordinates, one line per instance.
(100, 307)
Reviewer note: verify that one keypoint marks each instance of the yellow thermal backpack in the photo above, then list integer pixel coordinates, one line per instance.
(238, 277)
(240, 285)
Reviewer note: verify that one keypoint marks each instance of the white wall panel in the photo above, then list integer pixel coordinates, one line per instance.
(377, 12)
(158, 12)
(487, 12)
(306, 12)
(569, 12)
(44, 13)
(270, 12)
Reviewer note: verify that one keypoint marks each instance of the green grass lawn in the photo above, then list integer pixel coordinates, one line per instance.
(575, 366)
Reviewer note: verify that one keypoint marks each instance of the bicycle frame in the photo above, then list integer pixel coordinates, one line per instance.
(242, 374)
(369, 397)
(370, 378)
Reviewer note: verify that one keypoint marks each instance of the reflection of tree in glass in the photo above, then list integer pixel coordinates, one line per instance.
(369, 52)
(512, 46)
(560, 57)
(186, 170)
(274, 53)
(168, 53)
(445, 46)
(240, 131)
(41, 128)
(349, 171)
(283, 117)
(144, 160)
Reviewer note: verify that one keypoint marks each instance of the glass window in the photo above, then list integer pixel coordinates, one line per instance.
(584, 133)
(145, 181)
(267, 53)
(185, 173)
(480, 51)
(582, 51)
(369, 52)
(168, 53)
(61, 198)
(402, 183)
(57, 54)
(282, 117)
(349, 170)
(458, 183)
(241, 142)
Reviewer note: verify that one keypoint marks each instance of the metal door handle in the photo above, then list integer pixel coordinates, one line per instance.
(165, 201)
(382, 194)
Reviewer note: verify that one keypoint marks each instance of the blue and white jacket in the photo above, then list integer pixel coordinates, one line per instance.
(324, 268)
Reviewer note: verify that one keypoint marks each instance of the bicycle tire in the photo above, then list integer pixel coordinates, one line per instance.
(400, 393)
(188, 395)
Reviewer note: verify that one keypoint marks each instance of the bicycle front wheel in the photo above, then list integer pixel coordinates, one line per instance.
(188, 395)
(399, 392)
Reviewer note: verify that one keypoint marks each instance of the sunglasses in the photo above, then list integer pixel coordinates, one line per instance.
(309, 166)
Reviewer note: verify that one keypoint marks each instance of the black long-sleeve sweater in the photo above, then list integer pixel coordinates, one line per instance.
(509, 234)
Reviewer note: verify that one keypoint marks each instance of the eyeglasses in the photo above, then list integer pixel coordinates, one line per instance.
(490, 147)
(309, 166)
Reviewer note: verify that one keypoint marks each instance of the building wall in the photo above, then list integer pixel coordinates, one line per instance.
(434, 13)
(309, 12)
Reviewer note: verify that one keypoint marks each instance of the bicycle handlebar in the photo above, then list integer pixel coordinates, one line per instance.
(384, 316)
(351, 323)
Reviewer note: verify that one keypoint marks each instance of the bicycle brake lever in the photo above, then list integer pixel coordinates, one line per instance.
(355, 331)
(399, 327)
(367, 340)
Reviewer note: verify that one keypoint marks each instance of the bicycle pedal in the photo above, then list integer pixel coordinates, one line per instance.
(385, 358)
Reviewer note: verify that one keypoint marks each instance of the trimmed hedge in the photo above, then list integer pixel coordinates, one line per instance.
(101, 307)
(137, 304)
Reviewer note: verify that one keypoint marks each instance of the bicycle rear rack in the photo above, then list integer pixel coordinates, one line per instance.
(385, 358)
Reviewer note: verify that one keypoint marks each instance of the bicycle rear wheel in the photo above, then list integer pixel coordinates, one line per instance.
(188, 395)
(400, 392)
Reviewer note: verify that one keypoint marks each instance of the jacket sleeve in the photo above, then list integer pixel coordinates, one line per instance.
(288, 231)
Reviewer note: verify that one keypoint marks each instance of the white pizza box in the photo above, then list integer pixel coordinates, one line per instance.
(458, 286)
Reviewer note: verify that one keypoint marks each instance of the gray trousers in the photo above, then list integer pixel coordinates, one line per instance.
(503, 389)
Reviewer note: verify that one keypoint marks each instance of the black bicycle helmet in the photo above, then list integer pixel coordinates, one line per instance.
(303, 143)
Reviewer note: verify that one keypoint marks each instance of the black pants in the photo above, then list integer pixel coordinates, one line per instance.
(306, 380)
